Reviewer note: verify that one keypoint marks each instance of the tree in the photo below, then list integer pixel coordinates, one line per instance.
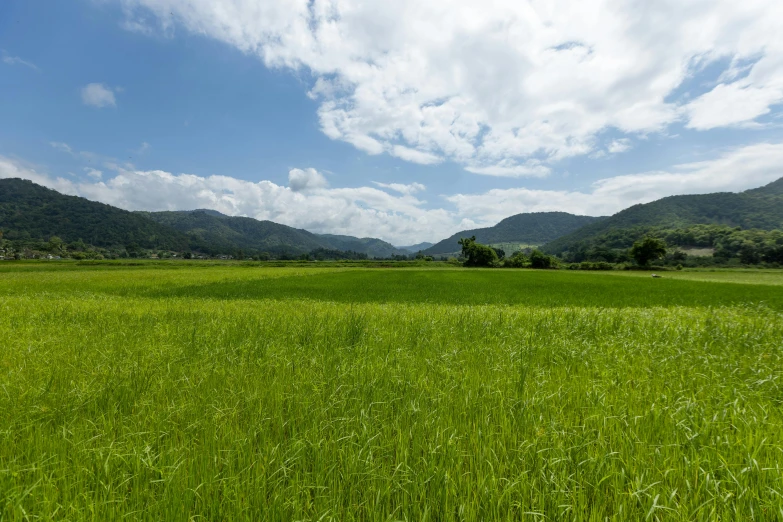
(517, 260)
(539, 259)
(648, 249)
(749, 254)
(476, 254)
(55, 244)
(499, 252)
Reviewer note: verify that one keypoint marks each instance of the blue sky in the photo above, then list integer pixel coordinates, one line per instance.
(404, 122)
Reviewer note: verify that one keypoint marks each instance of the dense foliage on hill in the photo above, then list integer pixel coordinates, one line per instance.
(30, 214)
(417, 247)
(371, 246)
(760, 208)
(747, 246)
(30, 211)
(214, 233)
(534, 228)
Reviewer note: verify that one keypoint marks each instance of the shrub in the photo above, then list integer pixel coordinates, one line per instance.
(539, 259)
(517, 260)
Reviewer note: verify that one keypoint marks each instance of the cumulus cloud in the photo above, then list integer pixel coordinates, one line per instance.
(735, 170)
(98, 95)
(15, 169)
(301, 180)
(306, 203)
(491, 85)
(402, 218)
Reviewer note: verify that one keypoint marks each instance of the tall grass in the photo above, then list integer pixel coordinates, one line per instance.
(185, 407)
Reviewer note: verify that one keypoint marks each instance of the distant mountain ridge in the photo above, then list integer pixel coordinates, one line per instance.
(417, 247)
(760, 208)
(534, 228)
(31, 211)
(28, 210)
(215, 233)
(371, 246)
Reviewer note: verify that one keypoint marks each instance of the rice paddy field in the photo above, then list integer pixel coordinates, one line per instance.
(242, 392)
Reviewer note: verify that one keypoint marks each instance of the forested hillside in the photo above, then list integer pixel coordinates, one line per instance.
(535, 228)
(371, 246)
(760, 208)
(214, 233)
(30, 211)
(417, 247)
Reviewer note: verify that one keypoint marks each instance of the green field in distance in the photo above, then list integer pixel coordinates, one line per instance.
(243, 392)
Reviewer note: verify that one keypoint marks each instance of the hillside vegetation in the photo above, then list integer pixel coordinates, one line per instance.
(30, 211)
(213, 233)
(534, 228)
(760, 208)
(371, 246)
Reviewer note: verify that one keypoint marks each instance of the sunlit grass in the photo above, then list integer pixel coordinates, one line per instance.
(173, 395)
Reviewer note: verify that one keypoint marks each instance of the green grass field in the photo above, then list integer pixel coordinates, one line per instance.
(240, 392)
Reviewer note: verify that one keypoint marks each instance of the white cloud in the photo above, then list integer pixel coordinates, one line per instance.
(618, 146)
(402, 218)
(15, 60)
(732, 104)
(301, 180)
(415, 156)
(362, 211)
(510, 169)
(735, 170)
(98, 95)
(491, 85)
(402, 188)
(62, 147)
(93, 173)
(15, 169)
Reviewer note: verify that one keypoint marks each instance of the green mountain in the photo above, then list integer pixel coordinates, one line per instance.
(535, 228)
(214, 233)
(366, 245)
(30, 211)
(760, 208)
(417, 247)
(211, 232)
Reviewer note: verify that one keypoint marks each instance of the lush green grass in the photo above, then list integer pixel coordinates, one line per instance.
(304, 394)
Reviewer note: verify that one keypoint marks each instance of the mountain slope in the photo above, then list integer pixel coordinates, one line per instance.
(417, 247)
(212, 232)
(535, 228)
(371, 246)
(215, 233)
(28, 210)
(760, 208)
